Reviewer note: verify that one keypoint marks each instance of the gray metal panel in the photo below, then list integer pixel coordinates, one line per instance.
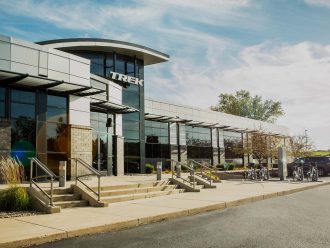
(43, 63)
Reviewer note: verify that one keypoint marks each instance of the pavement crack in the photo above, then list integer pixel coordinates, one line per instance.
(40, 225)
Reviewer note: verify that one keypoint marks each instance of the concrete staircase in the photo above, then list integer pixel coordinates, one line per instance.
(127, 192)
(65, 198)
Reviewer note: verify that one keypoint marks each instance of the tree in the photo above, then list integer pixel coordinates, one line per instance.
(301, 146)
(243, 104)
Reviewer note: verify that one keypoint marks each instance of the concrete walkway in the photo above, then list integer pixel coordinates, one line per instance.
(23, 231)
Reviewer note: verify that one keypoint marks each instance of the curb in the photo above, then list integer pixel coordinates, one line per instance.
(152, 219)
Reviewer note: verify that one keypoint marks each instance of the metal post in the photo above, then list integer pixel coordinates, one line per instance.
(178, 170)
(99, 188)
(76, 177)
(31, 171)
(159, 171)
(51, 191)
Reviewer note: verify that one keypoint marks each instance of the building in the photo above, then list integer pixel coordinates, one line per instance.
(69, 98)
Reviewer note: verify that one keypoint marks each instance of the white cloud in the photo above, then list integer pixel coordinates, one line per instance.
(297, 75)
(320, 3)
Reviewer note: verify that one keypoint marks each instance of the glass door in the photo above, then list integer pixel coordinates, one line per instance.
(100, 151)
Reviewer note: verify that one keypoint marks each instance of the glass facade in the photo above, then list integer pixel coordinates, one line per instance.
(233, 142)
(157, 143)
(199, 143)
(38, 125)
(102, 63)
(102, 142)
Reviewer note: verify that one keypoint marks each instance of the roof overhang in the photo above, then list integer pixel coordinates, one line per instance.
(33, 82)
(110, 107)
(148, 55)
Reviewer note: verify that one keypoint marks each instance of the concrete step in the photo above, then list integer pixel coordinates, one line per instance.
(113, 199)
(132, 186)
(137, 190)
(203, 182)
(71, 204)
(215, 178)
(66, 197)
(183, 184)
(60, 191)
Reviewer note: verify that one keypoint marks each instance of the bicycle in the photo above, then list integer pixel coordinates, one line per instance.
(263, 173)
(298, 173)
(312, 173)
(251, 173)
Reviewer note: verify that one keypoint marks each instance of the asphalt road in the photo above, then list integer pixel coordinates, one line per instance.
(297, 220)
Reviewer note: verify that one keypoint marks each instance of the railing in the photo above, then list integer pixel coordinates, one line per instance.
(93, 171)
(205, 171)
(176, 168)
(49, 174)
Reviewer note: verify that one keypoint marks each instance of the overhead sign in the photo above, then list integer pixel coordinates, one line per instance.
(126, 79)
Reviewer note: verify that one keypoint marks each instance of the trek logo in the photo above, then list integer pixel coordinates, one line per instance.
(126, 79)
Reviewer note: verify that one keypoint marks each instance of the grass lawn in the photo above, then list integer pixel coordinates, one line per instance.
(320, 153)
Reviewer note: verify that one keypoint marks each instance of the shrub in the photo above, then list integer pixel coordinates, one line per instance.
(11, 170)
(149, 168)
(14, 199)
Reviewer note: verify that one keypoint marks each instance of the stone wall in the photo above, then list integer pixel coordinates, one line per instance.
(80, 147)
(120, 155)
(5, 137)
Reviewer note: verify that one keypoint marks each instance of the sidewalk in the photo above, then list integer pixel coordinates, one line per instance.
(23, 231)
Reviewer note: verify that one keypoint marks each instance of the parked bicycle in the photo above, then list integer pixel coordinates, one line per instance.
(251, 173)
(263, 173)
(298, 172)
(312, 173)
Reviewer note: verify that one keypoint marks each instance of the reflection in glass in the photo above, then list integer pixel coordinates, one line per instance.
(57, 137)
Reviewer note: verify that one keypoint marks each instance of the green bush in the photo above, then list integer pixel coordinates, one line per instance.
(229, 166)
(149, 168)
(14, 199)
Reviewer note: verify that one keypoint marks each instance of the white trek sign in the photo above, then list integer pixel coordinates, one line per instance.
(126, 79)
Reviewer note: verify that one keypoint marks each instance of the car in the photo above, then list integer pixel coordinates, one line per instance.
(322, 162)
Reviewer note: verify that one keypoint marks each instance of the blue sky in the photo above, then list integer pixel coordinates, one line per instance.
(279, 49)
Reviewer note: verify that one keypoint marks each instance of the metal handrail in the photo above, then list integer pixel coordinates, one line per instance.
(176, 166)
(94, 173)
(49, 173)
(203, 167)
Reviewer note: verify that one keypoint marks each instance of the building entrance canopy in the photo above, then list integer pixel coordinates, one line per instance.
(40, 83)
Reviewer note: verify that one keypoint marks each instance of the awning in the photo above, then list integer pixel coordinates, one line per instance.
(34, 82)
(162, 118)
(111, 107)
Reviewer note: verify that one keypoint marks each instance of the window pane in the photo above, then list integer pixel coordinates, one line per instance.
(56, 115)
(19, 110)
(97, 69)
(2, 109)
(57, 137)
(22, 96)
(2, 94)
(57, 101)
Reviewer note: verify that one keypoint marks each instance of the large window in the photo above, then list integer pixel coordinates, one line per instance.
(57, 131)
(233, 147)
(199, 145)
(23, 125)
(2, 102)
(198, 136)
(157, 141)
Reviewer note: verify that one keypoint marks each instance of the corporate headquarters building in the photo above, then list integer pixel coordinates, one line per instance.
(70, 98)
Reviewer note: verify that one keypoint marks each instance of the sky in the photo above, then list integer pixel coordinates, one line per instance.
(279, 49)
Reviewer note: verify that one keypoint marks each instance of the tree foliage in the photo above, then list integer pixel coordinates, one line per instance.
(301, 146)
(243, 104)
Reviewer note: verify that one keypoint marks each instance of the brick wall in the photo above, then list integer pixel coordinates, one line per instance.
(80, 147)
(5, 137)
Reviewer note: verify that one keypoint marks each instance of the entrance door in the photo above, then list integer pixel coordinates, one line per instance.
(100, 151)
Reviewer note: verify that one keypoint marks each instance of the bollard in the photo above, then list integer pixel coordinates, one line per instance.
(282, 166)
(178, 170)
(159, 171)
(62, 173)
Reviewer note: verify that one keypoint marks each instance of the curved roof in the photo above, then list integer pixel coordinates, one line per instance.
(150, 56)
